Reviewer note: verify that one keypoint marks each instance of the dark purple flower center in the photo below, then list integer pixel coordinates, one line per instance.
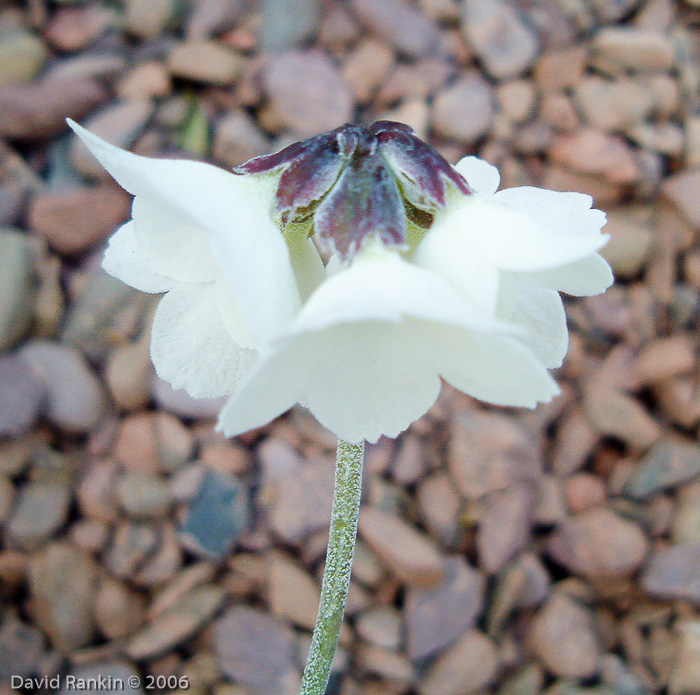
(359, 181)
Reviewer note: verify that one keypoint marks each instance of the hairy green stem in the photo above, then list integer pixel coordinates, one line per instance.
(336, 577)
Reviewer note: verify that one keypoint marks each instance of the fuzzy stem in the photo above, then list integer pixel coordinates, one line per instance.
(336, 577)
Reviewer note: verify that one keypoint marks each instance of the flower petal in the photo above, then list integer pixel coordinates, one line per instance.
(191, 347)
(307, 266)
(123, 260)
(380, 286)
(507, 237)
(360, 381)
(482, 177)
(496, 369)
(565, 213)
(590, 276)
(236, 209)
(541, 313)
(173, 245)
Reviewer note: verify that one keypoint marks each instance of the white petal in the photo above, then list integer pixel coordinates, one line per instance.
(307, 266)
(173, 245)
(589, 276)
(564, 213)
(123, 260)
(450, 254)
(236, 208)
(380, 286)
(541, 313)
(507, 237)
(190, 346)
(496, 369)
(482, 177)
(360, 381)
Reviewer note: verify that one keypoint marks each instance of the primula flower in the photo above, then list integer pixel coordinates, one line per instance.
(429, 274)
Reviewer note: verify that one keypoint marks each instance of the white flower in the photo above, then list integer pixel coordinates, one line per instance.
(253, 313)
(509, 253)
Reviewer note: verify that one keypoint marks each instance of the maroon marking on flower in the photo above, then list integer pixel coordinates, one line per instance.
(358, 181)
(366, 201)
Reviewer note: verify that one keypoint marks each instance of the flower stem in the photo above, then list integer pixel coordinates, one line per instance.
(336, 577)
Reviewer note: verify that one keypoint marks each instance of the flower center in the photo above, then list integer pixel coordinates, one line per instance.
(359, 182)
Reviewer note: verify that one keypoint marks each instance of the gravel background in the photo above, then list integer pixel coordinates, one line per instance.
(500, 551)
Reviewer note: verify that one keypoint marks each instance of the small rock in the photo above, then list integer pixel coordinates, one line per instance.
(210, 17)
(16, 279)
(96, 491)
(205, 61)
(128, 374)
(320, 102)
(489, 452)
(22, 56)
(148, 20)
(302, 501)
(504, 525)
(21, 396)
(257, 651)
(145, 80)
(674, 573)
(598, 543)
(410, 555)
(74, 28)
(62, 584)
(592, 152)
(439, 507)
(584, 491)
(74, 221)
(413, 112)
(468, 666)
(39, 110)
(90, 535)
(101, 678)
(41, 509)
(626, 48)
(117, 124)
(380, 626)
(686, 520)
(681, 189)
(384, 663)
(119, 611)
(21, 649)
(668, 464)
(132, 544)
(685, 676)
(664, 358)
(176, 442)
(464, 111)
(630, 244)
(143, 495)
(499, 36)
(287, 25)
(558, 70)
(516, 99)
(435, 617)
(75, 400)
(163, 565)
(176, 624)
(237, 139)
(366, 67)
(409, 464)
(88, 66)
(618, 415)
(563, 637)
(613, 105)
(399, 24)
(136, 445)
(217, 516)
(293, 594)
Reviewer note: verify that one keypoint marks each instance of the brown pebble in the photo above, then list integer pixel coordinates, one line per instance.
(468, 666)
(464, 111)
(205, 61)
(597, 543)
(583, 491)
(409, 554)
(563, 637)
